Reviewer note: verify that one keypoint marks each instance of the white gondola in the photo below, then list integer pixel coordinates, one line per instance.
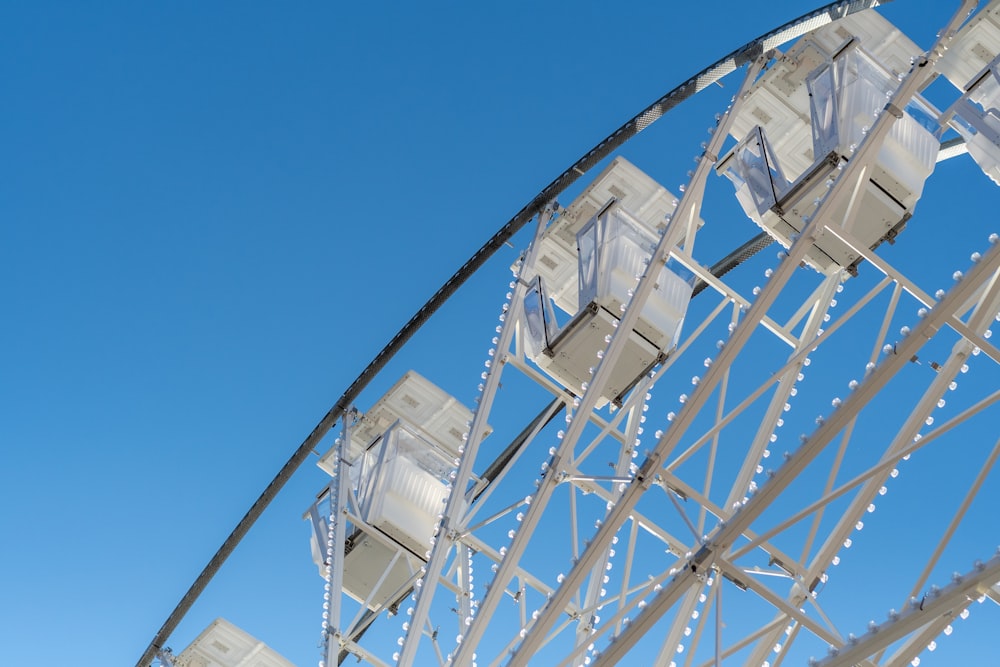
(970, 65)
(613, 242)
(802, 122)
(400, 454)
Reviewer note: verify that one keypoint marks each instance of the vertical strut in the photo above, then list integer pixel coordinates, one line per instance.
(452, 521)
(336, 538)
(618, 513)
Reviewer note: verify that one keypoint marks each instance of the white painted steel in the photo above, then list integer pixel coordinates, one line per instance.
(730, 525)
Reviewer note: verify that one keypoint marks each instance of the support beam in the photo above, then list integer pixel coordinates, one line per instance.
(726, 534)
(453, 519)
(939, 603)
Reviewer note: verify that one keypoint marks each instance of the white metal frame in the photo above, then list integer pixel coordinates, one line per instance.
(680, 598)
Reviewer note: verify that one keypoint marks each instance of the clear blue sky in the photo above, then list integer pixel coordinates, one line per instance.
(214, 215)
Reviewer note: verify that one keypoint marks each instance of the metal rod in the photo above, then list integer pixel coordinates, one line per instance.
(718, 624)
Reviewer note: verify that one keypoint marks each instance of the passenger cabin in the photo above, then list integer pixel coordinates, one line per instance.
(587, 265)
(401, 453)
(223, 644)
(970, 66)
(802, 121)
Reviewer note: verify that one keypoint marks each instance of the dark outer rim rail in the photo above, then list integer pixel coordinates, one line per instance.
(639, 122)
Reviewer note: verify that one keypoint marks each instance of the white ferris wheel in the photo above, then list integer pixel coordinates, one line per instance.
(678, 456)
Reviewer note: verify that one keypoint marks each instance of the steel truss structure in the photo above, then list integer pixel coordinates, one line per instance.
(671, 530)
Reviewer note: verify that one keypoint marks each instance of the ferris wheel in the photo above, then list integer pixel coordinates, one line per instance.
(684, 458)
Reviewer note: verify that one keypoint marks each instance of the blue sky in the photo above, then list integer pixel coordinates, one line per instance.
(216, 214)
